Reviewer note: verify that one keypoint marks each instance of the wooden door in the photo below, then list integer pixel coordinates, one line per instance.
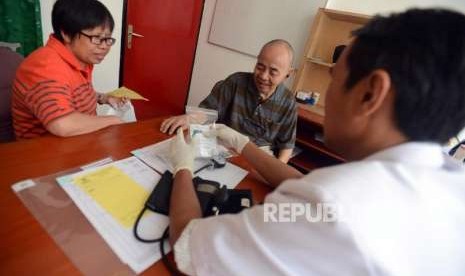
(158, 54)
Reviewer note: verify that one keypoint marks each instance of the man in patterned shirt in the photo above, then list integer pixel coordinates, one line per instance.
(53, 89)
(256, 104)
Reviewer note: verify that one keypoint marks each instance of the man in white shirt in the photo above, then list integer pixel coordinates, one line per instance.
(398, 208)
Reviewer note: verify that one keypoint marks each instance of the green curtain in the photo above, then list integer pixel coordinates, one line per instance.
(20, 22)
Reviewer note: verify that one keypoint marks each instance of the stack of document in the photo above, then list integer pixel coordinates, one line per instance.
(111, 196)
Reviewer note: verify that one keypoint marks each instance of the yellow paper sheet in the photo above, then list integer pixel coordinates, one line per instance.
(115, 192)
(128, 93)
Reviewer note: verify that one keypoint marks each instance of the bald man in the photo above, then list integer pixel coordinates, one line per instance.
(256, 104)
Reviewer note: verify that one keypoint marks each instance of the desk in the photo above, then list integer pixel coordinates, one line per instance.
(26, 248)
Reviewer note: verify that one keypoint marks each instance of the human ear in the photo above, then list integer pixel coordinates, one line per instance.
(67, 39)
(291, 72)
(377, 86)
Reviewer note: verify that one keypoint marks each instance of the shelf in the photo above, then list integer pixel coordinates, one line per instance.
(330, 29)
(311, 143)
(320, 62)
(314, 77)
(311, 113)
(304, 162)
(347, 16)
(306, 133)
(308, 161)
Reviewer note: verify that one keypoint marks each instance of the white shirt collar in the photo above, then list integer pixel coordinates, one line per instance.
(415, 153)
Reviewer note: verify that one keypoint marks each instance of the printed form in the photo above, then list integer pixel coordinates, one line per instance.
(111, 197)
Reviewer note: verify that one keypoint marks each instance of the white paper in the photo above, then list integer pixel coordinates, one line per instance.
(97, 163)
(125, 113)
(157, 156)
(137, 255)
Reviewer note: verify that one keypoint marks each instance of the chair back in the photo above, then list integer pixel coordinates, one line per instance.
(10, 61)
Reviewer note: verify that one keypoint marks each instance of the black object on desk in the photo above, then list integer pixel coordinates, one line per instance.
(214, 199)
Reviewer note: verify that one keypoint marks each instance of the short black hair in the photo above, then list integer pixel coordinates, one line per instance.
(73, 16)
(423, 51)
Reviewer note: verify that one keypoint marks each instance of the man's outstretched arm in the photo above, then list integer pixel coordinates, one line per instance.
(184, 204)
(273, 170)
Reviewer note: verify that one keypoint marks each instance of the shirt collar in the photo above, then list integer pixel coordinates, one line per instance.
(67, 55)
(415, 153)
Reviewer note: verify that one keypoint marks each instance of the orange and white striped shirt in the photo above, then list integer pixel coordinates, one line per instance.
(50, 83)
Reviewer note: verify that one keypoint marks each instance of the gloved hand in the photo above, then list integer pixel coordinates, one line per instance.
(182, 154)
(229, 137)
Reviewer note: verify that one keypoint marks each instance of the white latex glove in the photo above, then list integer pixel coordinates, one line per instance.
(182, 154)
(229, 137)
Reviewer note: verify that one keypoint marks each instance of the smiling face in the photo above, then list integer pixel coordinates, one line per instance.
(272, 68)
(85, 51)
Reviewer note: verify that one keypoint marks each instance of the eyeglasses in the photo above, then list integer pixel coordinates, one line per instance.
(97, 40)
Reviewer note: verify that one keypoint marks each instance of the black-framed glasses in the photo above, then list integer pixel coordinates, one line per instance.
(97, 40)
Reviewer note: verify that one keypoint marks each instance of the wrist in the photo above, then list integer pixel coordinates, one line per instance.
(183, 171)
(244, 147)
(241, 145)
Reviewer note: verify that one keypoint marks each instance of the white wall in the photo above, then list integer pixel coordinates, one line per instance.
(46, 18)
(371, 7)
(106, 74)
(213, 63)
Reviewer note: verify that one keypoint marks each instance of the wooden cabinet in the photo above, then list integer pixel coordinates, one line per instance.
(329, 29)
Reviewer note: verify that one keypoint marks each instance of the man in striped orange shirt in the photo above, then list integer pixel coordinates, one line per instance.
(53, 89)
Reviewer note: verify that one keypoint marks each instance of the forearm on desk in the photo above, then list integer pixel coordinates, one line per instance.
(77, 123)
(272, 169)
(184, 204)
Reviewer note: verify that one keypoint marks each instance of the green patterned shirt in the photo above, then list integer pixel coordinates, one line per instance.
(267, 123)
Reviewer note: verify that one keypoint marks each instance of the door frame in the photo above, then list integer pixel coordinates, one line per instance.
(123, 42)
